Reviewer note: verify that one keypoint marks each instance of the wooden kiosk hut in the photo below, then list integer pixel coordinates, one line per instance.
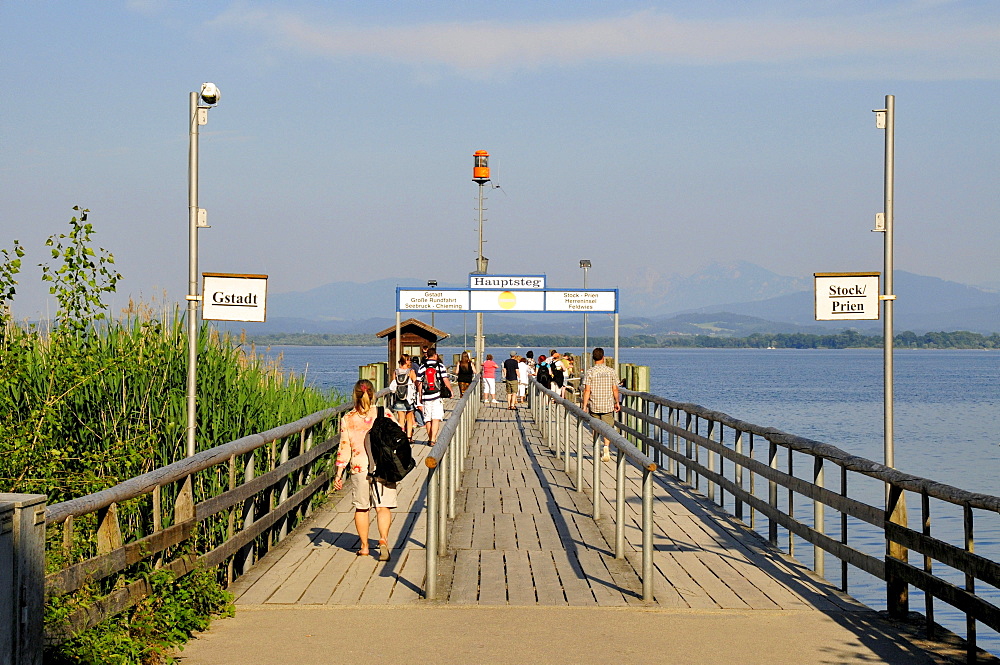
(414, 336)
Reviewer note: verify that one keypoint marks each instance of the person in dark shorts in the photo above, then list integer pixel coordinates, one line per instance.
(510, 379)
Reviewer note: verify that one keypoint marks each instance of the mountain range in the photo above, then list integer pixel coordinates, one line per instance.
(724, 299)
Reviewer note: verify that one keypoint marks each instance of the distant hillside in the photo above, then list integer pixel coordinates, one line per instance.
(733, 299)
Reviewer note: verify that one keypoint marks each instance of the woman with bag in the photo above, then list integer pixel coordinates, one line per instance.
(355, 451)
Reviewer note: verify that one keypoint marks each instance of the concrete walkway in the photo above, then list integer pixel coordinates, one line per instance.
(442, 635)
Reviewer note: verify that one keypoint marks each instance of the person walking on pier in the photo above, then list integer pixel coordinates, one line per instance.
(403, 389)
(522, 379)
(600, 394)
(490, 368)
(558, 370)
(466, 370)
(510, 379)
(433, 374)
(355, 451)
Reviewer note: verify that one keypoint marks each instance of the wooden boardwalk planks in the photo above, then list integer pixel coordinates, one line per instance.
(523, 535)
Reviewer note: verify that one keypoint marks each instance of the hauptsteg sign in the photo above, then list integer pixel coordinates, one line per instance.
(507, 293)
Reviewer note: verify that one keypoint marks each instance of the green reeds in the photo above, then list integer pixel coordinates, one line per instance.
(82, 413)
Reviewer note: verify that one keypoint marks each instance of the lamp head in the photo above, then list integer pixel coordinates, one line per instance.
(210, 94)
(584, 263)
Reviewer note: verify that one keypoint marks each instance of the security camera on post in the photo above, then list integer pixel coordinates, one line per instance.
(198, 105)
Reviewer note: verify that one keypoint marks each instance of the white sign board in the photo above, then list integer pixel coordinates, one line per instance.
(433, 300)
(227, 297)
(847, 296)
(507, 282)
(508, 301)
(581, 301)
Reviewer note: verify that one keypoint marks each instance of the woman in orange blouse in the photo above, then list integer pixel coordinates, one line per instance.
(355, 450)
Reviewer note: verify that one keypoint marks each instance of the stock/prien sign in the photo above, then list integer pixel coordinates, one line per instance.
(847, 296)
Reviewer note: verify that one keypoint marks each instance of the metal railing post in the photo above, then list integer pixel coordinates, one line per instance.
(430, 586)
(647, 535)
(442, 514)
(579, 454)
(453, 473)
(597, 475)
(556, 408)
(548, 423)
(620, 506)
(658, 455)
(566, 416)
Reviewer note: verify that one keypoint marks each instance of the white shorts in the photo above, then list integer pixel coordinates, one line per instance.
(364, 492)
(489, 386)
(434, 409)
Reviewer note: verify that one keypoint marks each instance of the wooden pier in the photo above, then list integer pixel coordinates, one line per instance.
(523, 537)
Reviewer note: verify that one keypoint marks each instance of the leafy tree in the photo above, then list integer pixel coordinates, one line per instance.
(9, 269)
(83, 278)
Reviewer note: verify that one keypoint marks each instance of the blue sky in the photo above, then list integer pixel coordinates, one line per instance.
(653, 138)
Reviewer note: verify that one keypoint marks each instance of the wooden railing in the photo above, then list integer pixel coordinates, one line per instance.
(221, 508)
(729, 455)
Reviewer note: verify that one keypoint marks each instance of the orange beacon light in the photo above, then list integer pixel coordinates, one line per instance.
(481, 166)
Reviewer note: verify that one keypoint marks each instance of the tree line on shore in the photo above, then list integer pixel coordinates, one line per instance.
(848, 339)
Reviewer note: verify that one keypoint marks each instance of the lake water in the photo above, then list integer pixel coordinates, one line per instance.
(947, 419)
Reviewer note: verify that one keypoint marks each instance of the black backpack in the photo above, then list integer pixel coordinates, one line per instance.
(543, 376)
(402, 387)
(557, 374)
(391, 453)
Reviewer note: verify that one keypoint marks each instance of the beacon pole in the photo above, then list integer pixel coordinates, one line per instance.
(481, 175)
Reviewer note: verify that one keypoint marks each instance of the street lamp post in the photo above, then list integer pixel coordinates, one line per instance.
(585, 264)
(897, 591)
(199, 103)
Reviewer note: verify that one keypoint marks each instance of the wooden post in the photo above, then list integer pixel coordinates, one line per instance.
(22, 584)
(897, 592)
(772, 493)
(818, 518)
(8, 595)
(713, 435)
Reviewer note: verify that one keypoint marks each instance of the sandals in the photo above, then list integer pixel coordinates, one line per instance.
(383, 550)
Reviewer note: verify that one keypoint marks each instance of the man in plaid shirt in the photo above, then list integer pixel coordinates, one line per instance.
(600, 394)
